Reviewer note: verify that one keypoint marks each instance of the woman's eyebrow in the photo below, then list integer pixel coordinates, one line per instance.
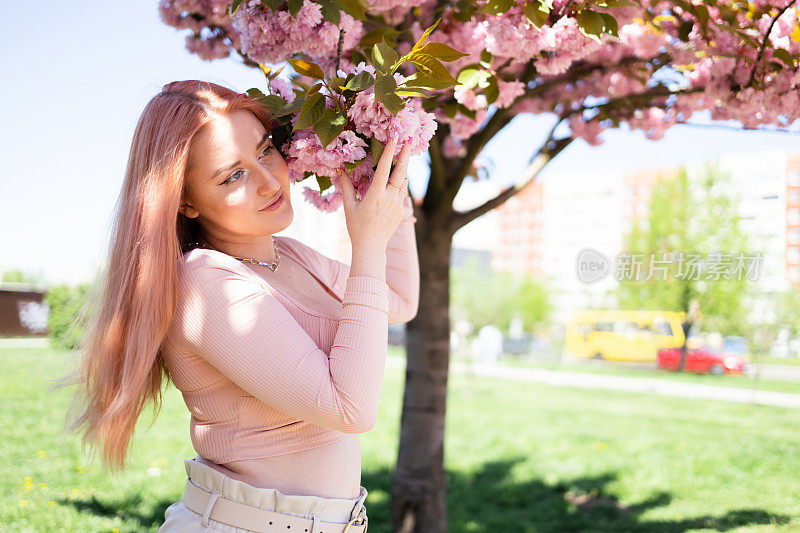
(261, 143)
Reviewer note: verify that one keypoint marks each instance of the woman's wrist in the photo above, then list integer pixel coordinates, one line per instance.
(369, 260)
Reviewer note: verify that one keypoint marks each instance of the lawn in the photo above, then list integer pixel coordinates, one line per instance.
(519, 457)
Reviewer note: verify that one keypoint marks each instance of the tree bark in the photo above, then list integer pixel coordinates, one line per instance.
(419, 492)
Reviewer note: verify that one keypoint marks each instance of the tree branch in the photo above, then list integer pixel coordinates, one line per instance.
(502, 117)
(764, 43)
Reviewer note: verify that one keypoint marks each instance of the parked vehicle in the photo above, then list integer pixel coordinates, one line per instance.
(518, 346)
(704, 361)
(735, 344)
(397, 334)
(623, 335)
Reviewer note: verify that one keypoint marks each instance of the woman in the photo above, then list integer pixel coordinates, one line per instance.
(280, 368)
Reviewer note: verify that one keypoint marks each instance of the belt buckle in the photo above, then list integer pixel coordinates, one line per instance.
(361, 520)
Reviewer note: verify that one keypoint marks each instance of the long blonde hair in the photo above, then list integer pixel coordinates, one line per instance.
(127, 313)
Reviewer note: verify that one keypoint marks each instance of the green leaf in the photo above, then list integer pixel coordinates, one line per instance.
(384, 57)
(306, 68)
(784, 56)
(271, 102)
(441, 51)
(314, 89)
(465, 10)
(490, 88)
(324, 183)
(469, 75)
(310, 112)
(294, 7)
(403, 93)
(330, 11)
(354, 165)
(235, 5)
(497, 7)
(377, 35)
(393, 103)
(536, 13)
(425, 36)
(357, 57)
(376, 148)
(486, 59)
(337, 84)
(422, 81)
(610, 24)
(363, 80)
(291, 107)
(450, 109)
(685, 29)
(354, 8)
(590, 23)
(702, 14)
(330, 124)
(274, 5)
(384, 84)
(431, 67)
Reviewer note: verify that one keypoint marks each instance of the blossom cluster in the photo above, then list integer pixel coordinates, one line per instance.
(660, 63)
(269, 37)
(213, 34)
(368, 119)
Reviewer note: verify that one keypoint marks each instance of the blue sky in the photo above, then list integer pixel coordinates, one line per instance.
(78, 74)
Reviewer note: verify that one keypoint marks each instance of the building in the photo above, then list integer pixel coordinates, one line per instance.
(545, 228)
(23, 310)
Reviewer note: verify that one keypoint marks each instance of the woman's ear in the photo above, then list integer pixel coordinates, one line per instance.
(187, 210)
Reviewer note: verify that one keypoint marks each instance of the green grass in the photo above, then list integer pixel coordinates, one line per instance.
(518, 456)
(769, 360)
(623, 369)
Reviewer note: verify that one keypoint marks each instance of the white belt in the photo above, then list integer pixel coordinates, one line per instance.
(215, 506)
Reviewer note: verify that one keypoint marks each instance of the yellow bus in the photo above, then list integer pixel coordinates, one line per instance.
(623, 335)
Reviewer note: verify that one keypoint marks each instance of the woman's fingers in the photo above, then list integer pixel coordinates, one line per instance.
(401, 168)
(381, 176)
(348, 193)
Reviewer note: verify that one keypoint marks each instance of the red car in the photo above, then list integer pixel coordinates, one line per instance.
(703, 361)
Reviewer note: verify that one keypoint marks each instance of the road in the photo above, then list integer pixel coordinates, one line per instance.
(664, 387)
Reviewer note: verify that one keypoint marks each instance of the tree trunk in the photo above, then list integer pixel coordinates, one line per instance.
(686, 326)
(419, 492)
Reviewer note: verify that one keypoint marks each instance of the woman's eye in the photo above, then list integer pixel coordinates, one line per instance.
(266, 150)
(230, 179)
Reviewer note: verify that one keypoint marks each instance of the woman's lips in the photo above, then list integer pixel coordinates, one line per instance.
(275, 204)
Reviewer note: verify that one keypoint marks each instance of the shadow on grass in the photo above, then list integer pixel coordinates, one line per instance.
(134, 519)
(490, 502)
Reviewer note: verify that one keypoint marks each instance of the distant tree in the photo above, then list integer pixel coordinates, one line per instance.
(787, 315)
(18, 276)
(63, 322)
(689, 244)
(497, 298)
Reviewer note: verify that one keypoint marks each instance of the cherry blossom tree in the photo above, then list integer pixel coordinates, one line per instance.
(448, 76)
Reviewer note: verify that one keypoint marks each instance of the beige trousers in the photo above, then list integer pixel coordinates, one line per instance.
(179, 518)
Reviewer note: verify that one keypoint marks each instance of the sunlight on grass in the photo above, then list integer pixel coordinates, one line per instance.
(519, 457)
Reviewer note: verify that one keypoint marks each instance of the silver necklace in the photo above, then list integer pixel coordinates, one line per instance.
(272, 266)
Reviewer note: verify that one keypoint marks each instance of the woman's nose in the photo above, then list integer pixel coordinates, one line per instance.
(268, 183)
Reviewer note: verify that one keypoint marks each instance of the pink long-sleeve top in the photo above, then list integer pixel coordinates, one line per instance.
(263, 374)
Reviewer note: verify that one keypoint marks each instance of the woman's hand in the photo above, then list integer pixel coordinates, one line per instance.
(372, 220)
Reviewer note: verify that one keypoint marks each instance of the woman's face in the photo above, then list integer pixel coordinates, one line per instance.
(234, 172)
